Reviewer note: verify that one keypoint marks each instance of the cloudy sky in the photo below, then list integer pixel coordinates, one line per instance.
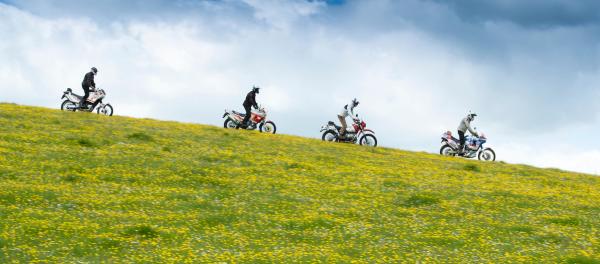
(531, 69)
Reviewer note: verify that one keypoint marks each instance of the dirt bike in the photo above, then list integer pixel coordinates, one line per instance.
(473, 147)
(358, 133)
(94, 101)
(258, 119)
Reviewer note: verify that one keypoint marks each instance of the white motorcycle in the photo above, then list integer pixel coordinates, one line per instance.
(358, 133)
(258, 119)
(473, 147)
(94, 101)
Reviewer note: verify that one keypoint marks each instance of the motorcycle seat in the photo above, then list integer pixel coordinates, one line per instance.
(331, 123)
(238, 113)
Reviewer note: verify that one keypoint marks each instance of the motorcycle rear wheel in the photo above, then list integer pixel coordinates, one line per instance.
(66, 103)
(229, 123)
(487, 154)
(447, 151)
(368, 140)
(268, 127)
(330, 136)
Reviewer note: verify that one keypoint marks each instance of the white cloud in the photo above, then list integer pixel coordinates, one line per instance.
(552, 155)
(281, 14)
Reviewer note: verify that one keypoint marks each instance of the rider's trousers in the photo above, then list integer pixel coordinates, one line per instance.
(247, 117)
(86, 94)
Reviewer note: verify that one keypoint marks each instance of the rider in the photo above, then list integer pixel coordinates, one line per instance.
(465, 125)
(347, 111)
(88, 82)
(250, 101)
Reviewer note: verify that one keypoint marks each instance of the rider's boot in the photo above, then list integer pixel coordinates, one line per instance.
(342, 136)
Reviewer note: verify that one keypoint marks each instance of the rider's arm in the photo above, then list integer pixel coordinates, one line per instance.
(352, 114)
(473, 132)
(254, 101)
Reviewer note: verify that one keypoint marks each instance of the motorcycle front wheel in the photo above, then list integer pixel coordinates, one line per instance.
(368, 140)
(229, 123)
(487, 154)
(330, 136)
(68, 104)
(106, 110)
(268, 127)
(447, 151)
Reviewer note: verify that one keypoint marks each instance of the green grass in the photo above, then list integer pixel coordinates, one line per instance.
(79, 187)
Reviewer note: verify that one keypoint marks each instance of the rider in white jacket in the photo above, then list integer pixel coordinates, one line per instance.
(465, 125)
(347, 111)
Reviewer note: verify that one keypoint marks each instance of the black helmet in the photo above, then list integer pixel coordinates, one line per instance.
(94, 70)
(256, 89)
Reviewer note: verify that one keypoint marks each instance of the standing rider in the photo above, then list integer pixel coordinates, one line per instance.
(347, 111)
(465, 125)
(88, 82)
(250, 101)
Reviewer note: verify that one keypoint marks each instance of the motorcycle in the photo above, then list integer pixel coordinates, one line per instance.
(258, 119)
(358, 133)
(94, 101)
(473, 147)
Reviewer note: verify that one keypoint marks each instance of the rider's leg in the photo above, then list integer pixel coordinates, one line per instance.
(244, 123)
(461, 137)
(344, 125)
(86, 94)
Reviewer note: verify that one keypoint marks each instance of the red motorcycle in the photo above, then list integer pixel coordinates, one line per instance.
(258, 119)
(358, 133)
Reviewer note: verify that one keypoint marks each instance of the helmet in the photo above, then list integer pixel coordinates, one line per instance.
(472, 115)
(355, 102)
(256, 89)
(94, 70)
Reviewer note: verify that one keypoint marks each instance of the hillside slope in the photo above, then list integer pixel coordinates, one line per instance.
(82, 187)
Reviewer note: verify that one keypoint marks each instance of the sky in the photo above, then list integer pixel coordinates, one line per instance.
(530, 69)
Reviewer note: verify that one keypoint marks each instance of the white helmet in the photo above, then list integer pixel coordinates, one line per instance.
(471, 115)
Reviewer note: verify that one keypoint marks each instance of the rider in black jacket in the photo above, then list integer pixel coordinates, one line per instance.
(249, 102)
(88, 81)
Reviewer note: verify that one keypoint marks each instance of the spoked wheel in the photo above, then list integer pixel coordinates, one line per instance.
(368, 140)
(68, 106)
(229, 123)
(106, 110)
(487, 154)
(330, 136)
(447, 151)
(268, 127)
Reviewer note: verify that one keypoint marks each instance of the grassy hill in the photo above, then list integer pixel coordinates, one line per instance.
(77, 187)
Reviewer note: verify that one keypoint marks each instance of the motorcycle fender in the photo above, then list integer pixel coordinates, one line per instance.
(332, 131)
(226, 114)
(486, 147)
(369, 131)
